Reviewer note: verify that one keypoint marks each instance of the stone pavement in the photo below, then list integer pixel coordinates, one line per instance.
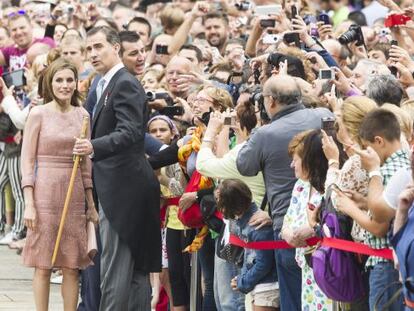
(16, 285)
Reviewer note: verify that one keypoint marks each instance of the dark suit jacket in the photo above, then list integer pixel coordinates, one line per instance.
(125, 183)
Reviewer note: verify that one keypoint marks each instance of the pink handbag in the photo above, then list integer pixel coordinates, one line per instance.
(92, 244)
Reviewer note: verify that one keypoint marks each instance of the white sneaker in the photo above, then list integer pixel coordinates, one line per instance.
(56, 279)
(7, 239)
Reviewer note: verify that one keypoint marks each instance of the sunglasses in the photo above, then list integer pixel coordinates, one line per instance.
(17, 13)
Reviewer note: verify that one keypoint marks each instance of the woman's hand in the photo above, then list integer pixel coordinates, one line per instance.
(30, 216)
(92, 214)
(325, 31)
(5, 90)
(293, 238)
(341, 82)
(331, 98)
(187, 199)
(358, 51)
(330, 149)
(343, 203)
(215, 124)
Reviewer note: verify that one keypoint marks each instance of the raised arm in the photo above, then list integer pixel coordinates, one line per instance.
(180, 36)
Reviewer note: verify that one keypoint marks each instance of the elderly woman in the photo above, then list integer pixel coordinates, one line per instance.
(47, 163)
(208, 99)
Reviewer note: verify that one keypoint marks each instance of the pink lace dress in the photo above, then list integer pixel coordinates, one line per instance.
(47, 164)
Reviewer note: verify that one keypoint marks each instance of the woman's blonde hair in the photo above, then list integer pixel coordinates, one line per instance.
(408, 106)
(73, 40)
(171, 17)
(221, 98)
(353, 111)
(404, 118)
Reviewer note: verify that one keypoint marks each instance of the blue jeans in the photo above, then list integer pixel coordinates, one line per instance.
(226, 298)
(290, 279)
(380, 277)
(206, 260)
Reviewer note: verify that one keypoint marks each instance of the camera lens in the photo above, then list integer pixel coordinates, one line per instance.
(354, 33)
(150, 96)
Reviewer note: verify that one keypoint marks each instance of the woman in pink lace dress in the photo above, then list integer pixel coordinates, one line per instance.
(47, 162)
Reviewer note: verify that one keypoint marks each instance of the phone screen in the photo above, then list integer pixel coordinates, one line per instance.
(328, 125)
(15, 78)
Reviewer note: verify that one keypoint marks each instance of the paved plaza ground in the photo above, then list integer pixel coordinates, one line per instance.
(16, 285)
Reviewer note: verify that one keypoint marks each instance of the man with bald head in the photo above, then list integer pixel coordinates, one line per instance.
(176, 67)
(266, 151)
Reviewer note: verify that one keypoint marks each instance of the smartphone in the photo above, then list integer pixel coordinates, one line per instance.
(323, 17)
(292, 37)
(328, 125)
(268, 9)
(171, 111)
(16, 78)
(161, 49)
(326, 74)
(271, 38)
(266, 23)
(294, 11)
(394, 42)
(230, 121)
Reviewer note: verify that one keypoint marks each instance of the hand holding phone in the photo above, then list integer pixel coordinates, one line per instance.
(294, 11)
(15, 78)
(267, 23)
(326, 74)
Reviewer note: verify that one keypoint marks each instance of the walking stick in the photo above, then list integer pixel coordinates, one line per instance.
(69, 193)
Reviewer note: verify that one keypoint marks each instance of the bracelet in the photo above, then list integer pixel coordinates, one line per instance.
(332, 162)
(374, 173)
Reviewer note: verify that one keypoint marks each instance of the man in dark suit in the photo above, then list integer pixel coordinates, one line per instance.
(126, 187)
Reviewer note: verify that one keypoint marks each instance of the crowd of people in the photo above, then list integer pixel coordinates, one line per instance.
(209, 122)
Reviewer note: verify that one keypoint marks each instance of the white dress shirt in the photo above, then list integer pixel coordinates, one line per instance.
(110, 74)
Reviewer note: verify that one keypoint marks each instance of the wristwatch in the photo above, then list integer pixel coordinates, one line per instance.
(332, 161)
(374, 173)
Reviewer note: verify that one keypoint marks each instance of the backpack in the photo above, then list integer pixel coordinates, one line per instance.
(337, 272)
(403, 243)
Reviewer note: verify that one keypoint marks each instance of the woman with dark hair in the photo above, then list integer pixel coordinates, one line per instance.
(47, 163)
(311, 166)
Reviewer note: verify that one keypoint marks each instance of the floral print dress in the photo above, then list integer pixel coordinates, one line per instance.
(312, 297)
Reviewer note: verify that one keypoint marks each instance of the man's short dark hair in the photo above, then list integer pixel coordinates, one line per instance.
(380, 122)
(199, 54)
(140, 20)
(234, 198)
(111, 35)
(128, 36)
(212, 15)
